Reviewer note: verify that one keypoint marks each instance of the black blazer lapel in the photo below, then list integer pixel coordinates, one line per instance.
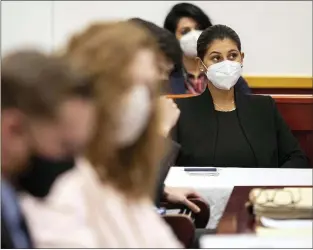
(197, 112)
(211, 122)
(251, 123)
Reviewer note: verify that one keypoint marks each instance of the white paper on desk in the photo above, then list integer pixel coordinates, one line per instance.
(241, 177)
(178, 177)
(217, 198)
(286, 232)
(286, 224)
(251, 241)
(211, 188)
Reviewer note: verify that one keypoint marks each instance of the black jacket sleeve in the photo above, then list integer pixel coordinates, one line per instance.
(290, 154)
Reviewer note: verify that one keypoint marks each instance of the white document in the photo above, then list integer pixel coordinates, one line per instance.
(286, 224)
(251, 241)
(216, 189)
(229, 177)
(286, 232)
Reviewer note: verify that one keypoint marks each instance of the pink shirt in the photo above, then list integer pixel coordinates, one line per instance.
(81, 212)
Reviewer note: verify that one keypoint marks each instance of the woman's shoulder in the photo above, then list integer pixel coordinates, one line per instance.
(262, 106)
(67, 183)
(260, 100)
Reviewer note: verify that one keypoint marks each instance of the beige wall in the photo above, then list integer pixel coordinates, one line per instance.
(276, 36)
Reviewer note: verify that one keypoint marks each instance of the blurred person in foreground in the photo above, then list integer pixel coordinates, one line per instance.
(105, 201)
(40, 177)
(170, 64)
(171, 61)
(46, 109)
(186, 21)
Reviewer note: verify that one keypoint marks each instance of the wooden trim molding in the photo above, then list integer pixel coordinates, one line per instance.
(282, 97)
(293, 98)
(283, 82)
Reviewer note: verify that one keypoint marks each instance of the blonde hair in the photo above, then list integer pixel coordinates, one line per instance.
(105, 52)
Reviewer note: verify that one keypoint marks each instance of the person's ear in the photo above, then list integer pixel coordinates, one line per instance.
(242, 57)
(200, 64)
(14, 130)
(13, 121)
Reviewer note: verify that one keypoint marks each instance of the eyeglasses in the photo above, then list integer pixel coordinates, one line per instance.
(276, 197)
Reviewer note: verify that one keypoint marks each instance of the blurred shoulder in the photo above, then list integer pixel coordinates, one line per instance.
(65, 210)
(71, 187)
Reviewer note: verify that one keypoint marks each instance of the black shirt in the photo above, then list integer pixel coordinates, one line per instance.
(232, 147)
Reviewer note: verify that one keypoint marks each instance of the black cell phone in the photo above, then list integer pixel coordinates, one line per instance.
(200, 169)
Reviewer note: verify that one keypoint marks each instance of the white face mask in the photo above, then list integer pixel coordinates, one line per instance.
(188, 43)
(224, 75)
(135, 115)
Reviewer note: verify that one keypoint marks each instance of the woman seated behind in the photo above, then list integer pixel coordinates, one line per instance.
(226, 128)
(186, 21)
(105, 201)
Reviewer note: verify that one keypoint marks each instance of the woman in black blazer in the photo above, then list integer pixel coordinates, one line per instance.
(225, 128)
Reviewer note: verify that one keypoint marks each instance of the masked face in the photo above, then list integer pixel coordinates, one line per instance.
(224, 75)
(187, 32)
(64, 136)
(222, 64)
(41, 174)
(135, 106)
(188, 43)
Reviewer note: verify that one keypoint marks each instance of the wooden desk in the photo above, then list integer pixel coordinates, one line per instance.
(238, 217)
